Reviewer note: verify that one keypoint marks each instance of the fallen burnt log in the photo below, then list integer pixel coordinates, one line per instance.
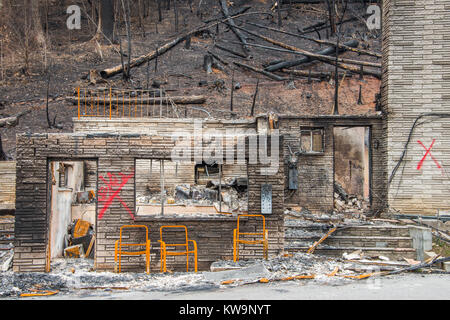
(107, 73)
(321, 55)
(14, 120)
(136, 62)
(308, 74)
(325, 42)
(232, 25)
(317, 56)
(356, 70)
(261, 71)
(312, 56)
(218, 58)
(142, 100)
(218, 46)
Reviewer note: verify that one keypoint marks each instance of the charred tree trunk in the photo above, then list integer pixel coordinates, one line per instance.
(106, 20)
(3, 156)
(38, 31)
(252, 111)
(332, 16)
(207, 63)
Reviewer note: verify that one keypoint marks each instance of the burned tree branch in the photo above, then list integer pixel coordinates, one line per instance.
(136, 62)
(309, 74)
(231, 51)
(330, 43)
(252, 111)
(321, 55)
(14, 120)
(318, 56)
(232, 25)
(261, 71)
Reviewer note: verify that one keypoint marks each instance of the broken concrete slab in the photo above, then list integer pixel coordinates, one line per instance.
(446, 266)
(253, 272)
(7, 261)
(422, 240)
(75, 251)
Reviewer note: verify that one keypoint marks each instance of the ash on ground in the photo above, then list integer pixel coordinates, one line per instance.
(70, 276)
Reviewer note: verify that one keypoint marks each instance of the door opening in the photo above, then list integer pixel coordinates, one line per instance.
(352, 169)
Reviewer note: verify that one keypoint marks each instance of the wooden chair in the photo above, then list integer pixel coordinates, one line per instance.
(263, 237)
(165, 245)
(118, 252)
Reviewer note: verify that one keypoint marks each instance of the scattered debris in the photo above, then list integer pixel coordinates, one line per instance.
(40, 293)
(80, 240)
(74, 251)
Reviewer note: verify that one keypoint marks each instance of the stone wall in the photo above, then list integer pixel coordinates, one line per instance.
(416, 80)
(116, 156)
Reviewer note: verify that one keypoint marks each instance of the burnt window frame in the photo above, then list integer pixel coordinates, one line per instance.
(311, 131)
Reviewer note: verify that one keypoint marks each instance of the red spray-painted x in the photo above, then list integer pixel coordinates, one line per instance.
(108, 194)
(428, 152)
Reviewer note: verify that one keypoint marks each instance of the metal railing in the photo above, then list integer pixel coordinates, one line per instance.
(117, 103)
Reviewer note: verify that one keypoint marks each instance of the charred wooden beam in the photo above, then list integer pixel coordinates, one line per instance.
(142, 100)
(261, 71)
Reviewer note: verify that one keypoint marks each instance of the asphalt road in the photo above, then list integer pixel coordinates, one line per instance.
(402, 287)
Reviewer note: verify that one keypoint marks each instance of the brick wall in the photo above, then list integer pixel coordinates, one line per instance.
(115, 155)
(7, 185)
(416, 80)
(316, 171)
(154, 126)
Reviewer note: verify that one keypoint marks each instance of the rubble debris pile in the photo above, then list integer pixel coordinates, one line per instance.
(348, 203)
(233, 193)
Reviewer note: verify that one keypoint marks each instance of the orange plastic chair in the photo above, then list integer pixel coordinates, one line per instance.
(236, 234)
(165, 253)
(118, 252)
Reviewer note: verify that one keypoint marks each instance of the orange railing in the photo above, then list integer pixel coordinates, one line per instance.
(117, 103)
(261, 237)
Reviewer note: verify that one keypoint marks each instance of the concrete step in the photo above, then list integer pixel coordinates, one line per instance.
(354, 241)
(391, 253)
(6, 224)
(362, 231)
(375, 231)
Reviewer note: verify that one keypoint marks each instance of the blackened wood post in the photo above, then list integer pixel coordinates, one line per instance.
(279, 13)
(232, 92)
(220, 187)
(252, 112)
(336, 81)
(159, 11)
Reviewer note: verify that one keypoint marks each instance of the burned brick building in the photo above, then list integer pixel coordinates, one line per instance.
(119, 166)
(397, 162)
